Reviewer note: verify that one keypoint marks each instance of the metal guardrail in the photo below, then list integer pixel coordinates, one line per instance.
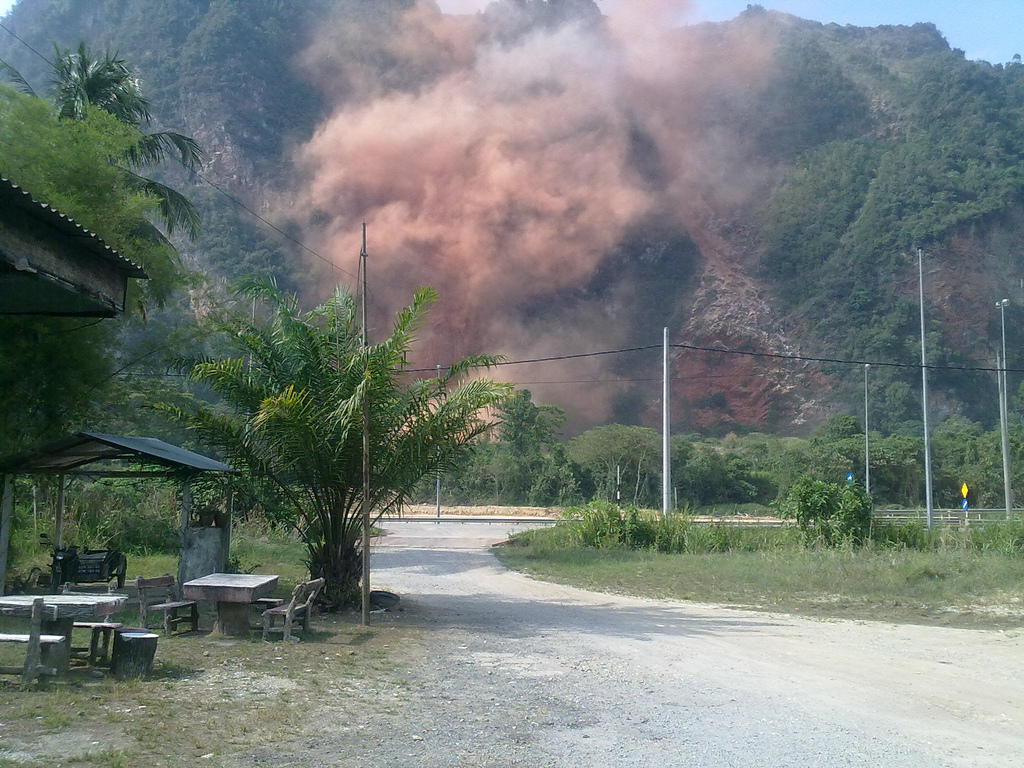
(468, 519)
(956, 518)
(953, 518)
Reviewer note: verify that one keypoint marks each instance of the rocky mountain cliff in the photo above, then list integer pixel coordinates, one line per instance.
(572, 183)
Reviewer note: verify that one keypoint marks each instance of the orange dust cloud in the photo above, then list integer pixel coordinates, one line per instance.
(504, 158)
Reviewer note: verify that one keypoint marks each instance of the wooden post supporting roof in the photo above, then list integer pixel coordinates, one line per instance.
(6, 510)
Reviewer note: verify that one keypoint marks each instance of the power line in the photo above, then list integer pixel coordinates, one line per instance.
(650, 378)
(37, 53)
(280, 231)
(546, 359)
(726, 351)
(838, 361)
(76, 328)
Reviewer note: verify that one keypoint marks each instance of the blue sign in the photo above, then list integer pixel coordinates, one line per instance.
(963, 505)
(849, 477)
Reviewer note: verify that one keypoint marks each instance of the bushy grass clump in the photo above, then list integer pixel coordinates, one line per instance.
(1002, 537)
(601, 525)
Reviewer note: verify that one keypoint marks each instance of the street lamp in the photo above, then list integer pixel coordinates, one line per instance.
(1003, 429)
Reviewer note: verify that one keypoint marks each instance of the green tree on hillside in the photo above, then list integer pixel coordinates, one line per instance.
(55, 371)
(81, 81)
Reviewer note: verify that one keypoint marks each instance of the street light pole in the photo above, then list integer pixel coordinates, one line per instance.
(867, 452)
(1003, 398)
(924, 399)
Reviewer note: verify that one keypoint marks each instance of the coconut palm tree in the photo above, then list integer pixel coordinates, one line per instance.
(80, 81)
(297, 391)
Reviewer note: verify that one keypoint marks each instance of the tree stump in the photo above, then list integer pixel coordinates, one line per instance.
(133, 653)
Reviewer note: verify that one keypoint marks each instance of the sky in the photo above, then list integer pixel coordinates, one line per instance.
(992, 30)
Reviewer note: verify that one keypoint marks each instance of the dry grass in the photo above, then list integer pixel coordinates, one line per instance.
(208, 699)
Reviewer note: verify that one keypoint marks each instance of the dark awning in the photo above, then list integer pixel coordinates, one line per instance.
(51, 265)
(91, 453)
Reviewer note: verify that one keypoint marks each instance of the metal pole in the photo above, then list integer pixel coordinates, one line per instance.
(666, 469)
(437, 485)
(58, 523)
(186, 554)
(1003, 415)
(6, 512)
(924, 399)
(867, 451)
(366, 456)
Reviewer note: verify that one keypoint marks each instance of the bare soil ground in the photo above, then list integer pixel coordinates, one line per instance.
(430, 510)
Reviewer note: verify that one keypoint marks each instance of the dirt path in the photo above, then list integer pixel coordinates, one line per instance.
(516, 672)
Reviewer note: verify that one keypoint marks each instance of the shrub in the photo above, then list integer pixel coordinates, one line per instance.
(138, 517)
(1006, 538)
(829, 514)
(602, 524)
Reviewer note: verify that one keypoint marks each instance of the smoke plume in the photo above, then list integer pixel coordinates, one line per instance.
(513, 157)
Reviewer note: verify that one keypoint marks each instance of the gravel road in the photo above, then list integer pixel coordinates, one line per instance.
(516, 672)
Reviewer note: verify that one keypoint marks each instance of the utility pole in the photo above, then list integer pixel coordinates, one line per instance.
(1003, 415)
(666, 466)
(437, 484)
(366, 450)
(924, 400)
(867, 453)
(618, 488)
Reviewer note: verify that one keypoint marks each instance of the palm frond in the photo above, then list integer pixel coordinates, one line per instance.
(19, 82)
(81, 80)
(154, 148)
(176, 210)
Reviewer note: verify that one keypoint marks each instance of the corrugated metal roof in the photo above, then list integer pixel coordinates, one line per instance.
(12, 194)
(73, 454)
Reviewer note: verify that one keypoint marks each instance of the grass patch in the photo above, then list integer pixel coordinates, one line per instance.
(957, 578)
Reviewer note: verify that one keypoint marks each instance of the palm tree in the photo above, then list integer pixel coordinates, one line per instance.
(108, 83)
(297, 393)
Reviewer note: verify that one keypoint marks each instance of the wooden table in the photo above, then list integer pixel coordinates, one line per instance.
(233, 592)
(61, 612)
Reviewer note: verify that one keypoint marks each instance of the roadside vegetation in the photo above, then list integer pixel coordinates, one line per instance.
(527, 461)
(902, 573)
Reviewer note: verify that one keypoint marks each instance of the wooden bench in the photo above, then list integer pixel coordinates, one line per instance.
(99, 643)
(263, 603)
(34, 641)
(297, 609)
(158, 594)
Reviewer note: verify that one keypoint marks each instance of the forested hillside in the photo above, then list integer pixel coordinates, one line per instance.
(765, 184)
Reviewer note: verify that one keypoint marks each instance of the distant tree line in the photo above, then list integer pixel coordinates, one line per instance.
(525, 463)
